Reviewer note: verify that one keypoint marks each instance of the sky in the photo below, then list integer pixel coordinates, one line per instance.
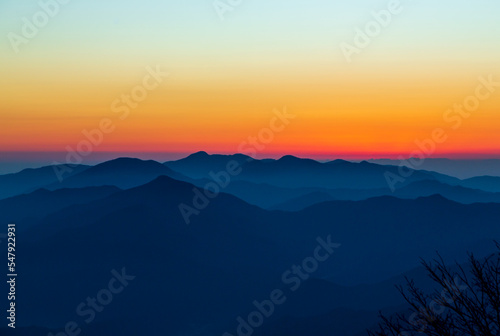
(231, 68)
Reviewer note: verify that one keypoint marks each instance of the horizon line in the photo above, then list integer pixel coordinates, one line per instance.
(15, 162)
(27, 156)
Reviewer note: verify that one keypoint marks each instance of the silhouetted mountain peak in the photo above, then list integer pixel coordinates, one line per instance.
(200, 164)
(339, 162)
(129, 165)
(122, 172)
(200, 154)
(293, 160)
(125, 162)
(289, 158)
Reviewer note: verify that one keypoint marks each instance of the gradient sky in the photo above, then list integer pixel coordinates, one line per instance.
(227, 77)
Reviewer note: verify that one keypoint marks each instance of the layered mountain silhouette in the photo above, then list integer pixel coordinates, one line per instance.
(197, 278)
(292, 183)
(230, 245)
(293, 172)
(454, 193)
(123, 173)
(266, 183)
(486, 183)
(462, 169)
(200, 164)
(42, 202)
(31, 179)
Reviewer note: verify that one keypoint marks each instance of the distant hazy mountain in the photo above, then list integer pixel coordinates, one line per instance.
(486, 183)
(293, 199)
(292, 184)
(29, 180)
(412, 191)
(200, 164)
(462, 169)
(123, 173)
(293, 172)
(266, 195)
(42, 202)
(454, 193)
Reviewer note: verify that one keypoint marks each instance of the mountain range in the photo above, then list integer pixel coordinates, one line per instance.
(199, 278)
